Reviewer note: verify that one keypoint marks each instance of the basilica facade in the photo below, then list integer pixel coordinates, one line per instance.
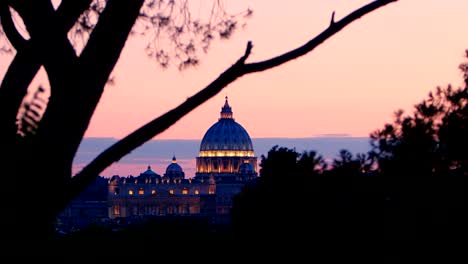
(226, 162)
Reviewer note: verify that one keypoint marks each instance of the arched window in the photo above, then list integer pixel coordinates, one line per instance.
(211, 190)
(116, 209)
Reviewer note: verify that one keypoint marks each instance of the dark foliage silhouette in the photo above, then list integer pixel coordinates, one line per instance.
(410, 189)
(297, 199)
(421, 161)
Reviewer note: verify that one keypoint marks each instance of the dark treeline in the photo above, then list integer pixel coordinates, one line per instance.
(347, 205)
(410, 189)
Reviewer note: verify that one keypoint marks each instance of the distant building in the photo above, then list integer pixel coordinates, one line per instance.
(226, 162)
(151, 194)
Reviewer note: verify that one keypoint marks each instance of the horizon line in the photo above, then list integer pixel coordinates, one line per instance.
(277, 137)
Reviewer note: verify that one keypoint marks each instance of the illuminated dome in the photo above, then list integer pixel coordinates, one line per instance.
(227, 135)
(226, 147)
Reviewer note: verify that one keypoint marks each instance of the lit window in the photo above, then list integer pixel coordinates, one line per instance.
(197, 192)
(171, 191)
(116, 209)
(141, 192)
(130, 192)
(211, 190)
(153, 192)
(185, 191)
(226, 153)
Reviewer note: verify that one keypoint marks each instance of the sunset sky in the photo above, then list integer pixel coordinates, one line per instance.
(351, 84)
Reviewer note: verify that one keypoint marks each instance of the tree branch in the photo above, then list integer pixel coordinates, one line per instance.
(109, 36)
(69, 118)
(13, 89)
(70, 10)
(156, 126)
(160, 124)
(246, 54)
(309, 46)
(332, 21)
(15, 38)
(25, 66)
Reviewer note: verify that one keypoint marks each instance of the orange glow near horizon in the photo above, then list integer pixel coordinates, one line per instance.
(226, 153)
(351, 84)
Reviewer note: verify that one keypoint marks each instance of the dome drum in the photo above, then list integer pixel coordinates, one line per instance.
(223, 164)
(226, 153)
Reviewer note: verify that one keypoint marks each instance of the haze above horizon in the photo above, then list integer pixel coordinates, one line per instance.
(158, 153)
(350, 85)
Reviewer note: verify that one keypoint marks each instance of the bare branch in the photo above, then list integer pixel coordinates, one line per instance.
(247, 52)
(309, 46)
(332, 21)
(176, 34)
(156, 126)
(160, 124)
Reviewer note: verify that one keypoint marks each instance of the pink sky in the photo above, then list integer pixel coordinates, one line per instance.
(351, 84)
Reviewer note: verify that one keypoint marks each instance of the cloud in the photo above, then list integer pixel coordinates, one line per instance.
(158, 153)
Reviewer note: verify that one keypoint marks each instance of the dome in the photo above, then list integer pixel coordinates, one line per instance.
(174, 168)
(174, 171)
(148, 176)
(226, 134)
(224, 148)
(149, 172)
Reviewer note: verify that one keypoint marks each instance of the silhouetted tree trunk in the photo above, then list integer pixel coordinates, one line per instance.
(25, 65)
(76, 87)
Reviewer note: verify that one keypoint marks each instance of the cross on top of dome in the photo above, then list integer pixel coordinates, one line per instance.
(226, 111)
